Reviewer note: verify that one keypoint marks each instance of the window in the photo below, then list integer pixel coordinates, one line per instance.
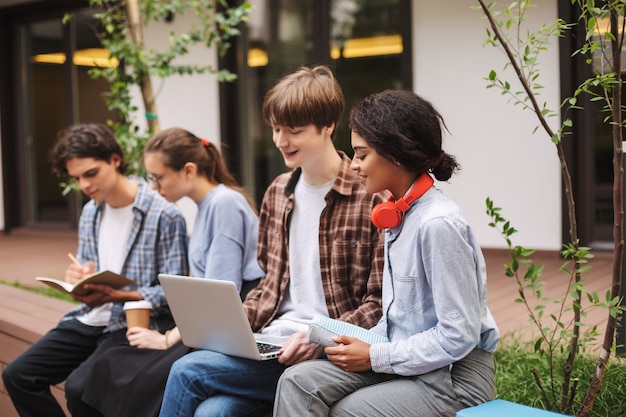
(366, 43)
(55, 92)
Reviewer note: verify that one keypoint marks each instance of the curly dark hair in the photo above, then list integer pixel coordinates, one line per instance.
(89, 140)
(404, 128)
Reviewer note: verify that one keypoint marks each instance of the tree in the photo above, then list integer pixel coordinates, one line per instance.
(121, 32)
(603, 44)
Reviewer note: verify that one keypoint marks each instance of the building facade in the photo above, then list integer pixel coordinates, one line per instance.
(433, 48)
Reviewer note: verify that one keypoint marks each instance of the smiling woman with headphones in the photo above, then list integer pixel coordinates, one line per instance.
(439, 357)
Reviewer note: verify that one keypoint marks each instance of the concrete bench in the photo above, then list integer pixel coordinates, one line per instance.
(24, 318)
(500, 408)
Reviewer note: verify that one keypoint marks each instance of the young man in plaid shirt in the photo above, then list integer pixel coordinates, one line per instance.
(127, 228)
(318, 248)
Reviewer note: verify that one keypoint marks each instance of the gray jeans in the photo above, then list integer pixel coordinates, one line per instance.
(319, 388)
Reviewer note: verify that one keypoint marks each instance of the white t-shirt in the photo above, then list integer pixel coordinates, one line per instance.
(113, 233)
(304, 297)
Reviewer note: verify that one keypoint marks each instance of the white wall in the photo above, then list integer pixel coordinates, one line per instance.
(492, 139)
(190, 102)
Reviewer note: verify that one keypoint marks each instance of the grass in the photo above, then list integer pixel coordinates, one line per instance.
(47, 291)
(515, 382)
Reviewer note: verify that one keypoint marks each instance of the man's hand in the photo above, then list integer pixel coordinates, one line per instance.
(99, 294)
(75, 273)
(298, 349)
(352, 354)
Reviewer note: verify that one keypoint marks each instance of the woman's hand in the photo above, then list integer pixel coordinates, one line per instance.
(151, 339)
(146, 338)
(352, 354)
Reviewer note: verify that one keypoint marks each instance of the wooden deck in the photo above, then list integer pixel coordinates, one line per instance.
(24, 318)
(513, 318)
(24, 315)
(26, 253)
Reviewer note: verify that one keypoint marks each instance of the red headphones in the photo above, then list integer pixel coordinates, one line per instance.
(389, 214)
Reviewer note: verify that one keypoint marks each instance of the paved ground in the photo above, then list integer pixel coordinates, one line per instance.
(25, 254)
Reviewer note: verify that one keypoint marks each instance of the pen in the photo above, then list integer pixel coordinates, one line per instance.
(73, 258)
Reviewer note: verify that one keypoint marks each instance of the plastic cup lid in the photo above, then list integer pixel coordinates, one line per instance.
(143, 304)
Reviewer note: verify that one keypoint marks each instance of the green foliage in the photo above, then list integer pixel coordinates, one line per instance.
(217, 24)
(43, 290)
(559, 337)
(595, 15)
(524, 49)
(69, 186)
(555, 330)
(516, 360)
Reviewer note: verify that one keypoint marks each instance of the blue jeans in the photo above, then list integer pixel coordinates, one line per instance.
(205, 383)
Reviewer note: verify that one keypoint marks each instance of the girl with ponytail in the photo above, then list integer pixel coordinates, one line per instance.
(223, 245)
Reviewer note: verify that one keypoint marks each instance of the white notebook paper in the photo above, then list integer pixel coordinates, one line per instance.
(323, 329)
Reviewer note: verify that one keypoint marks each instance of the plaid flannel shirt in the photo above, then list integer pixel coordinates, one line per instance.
(351, 251)
(157, 244)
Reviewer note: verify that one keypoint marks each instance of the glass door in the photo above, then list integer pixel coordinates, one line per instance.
(44, 112)
(369, 49)
(55, 91)
(366, 43)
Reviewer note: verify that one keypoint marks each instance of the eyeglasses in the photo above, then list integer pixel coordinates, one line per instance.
(156, 180)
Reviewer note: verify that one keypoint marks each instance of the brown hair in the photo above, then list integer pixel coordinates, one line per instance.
(179, 146)
(89, 140)
(307, 96)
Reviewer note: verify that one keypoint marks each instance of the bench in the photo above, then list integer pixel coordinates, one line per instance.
(499, 408)
(24, 318)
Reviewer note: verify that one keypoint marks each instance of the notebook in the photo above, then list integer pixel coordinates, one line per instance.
(323, 329)
(210, 315)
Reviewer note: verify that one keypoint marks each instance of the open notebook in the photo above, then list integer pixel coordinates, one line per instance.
(209, 315)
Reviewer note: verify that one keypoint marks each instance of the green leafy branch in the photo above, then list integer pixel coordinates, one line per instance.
(121, 25)
(555, 328)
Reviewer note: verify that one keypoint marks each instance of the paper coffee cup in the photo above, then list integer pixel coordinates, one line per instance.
(138, 313)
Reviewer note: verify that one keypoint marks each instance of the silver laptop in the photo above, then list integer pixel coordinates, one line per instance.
(210, 315)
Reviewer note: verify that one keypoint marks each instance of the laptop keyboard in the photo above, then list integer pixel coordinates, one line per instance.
(267, 348)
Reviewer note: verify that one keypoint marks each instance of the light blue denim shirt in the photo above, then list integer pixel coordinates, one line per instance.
(434, 291)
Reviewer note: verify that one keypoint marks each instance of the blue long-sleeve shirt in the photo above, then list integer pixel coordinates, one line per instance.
(157, 244)
(223, 244)
(434, 291)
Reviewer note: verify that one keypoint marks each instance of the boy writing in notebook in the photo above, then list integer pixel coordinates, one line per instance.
(127, 228)
(318, 248)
